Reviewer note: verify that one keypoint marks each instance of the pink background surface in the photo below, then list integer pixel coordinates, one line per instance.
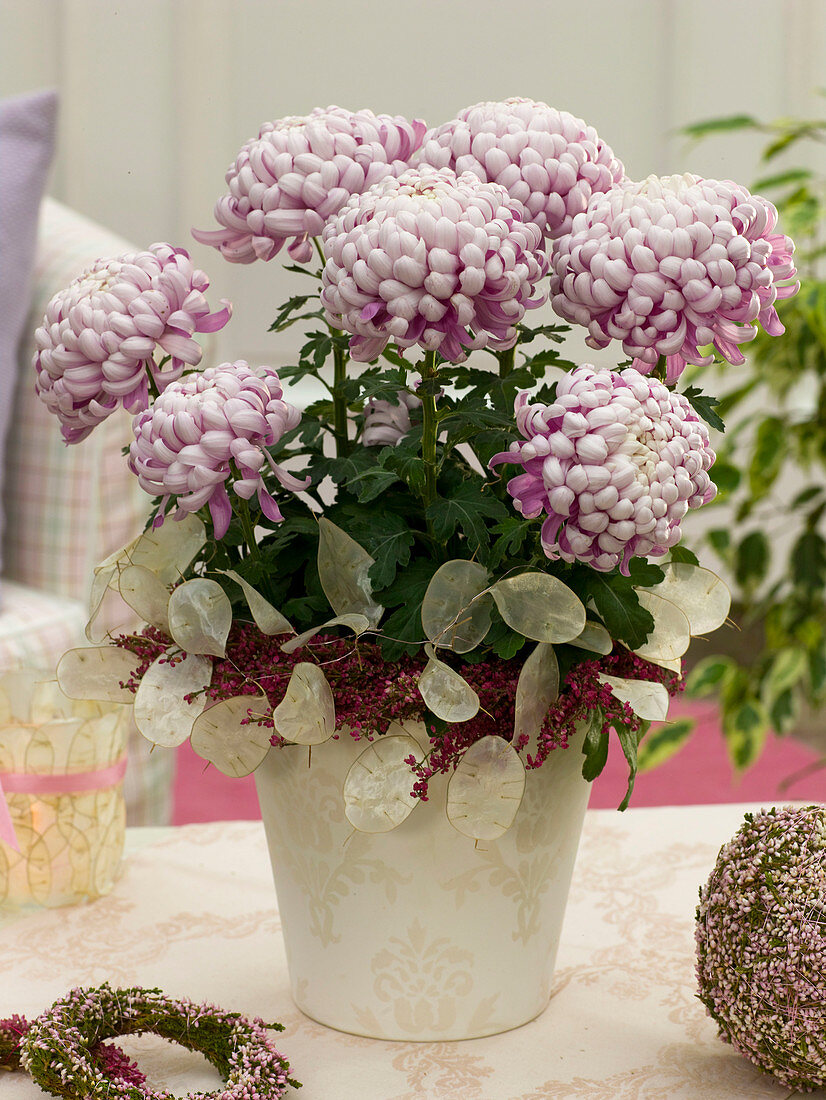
(699, 773)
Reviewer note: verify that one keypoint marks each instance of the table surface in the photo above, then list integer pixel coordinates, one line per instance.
(194, 913)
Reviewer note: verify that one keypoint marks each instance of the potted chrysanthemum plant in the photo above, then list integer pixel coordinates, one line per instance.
(420, 609)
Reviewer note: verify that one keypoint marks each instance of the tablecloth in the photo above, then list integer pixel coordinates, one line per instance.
(194, 913)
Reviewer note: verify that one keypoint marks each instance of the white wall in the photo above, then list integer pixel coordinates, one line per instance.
(158, 95)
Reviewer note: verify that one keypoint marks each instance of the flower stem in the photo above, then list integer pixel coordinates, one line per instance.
(150, 378)
(339, 402)
(249, 533)
(340, 358)
(428, 371)
(661, 369)
(506, 361)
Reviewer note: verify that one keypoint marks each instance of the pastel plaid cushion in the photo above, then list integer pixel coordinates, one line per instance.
(36, 628)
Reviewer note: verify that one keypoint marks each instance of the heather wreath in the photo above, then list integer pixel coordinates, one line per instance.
(65, 1052)
(376, 559)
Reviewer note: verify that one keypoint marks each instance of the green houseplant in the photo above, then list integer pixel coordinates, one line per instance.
(771, 476)
(361, 580)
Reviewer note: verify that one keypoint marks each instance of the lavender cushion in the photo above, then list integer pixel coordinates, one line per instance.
(27, 132)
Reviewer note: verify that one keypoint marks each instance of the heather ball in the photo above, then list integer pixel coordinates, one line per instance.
(761, 944)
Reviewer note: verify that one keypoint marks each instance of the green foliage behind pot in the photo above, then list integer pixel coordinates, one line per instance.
(771, 472)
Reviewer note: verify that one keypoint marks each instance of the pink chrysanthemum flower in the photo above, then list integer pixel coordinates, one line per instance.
(433, 259)
(671, 265)
(548, 159)
(615, 462)
(209, 429)
(387, 422)
(99, 335)
(300, 171)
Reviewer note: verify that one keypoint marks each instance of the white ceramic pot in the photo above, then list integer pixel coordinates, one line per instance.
(418, 934)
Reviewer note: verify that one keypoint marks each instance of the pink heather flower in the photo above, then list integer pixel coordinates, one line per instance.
(371, 694)
(208, 429)
(431, 259)
(385, 423)
(99, 335)
(671, 265)
(615, 462)
(549, 160)
(300, 171)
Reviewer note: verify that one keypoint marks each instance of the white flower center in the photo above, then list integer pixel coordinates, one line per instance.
(642, 448)
(292, 122)
(658, 187)
(97, 281)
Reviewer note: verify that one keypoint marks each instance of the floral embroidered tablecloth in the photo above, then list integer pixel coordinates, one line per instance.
(194, 913)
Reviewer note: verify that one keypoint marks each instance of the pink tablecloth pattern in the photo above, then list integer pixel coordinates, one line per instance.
(194, 913)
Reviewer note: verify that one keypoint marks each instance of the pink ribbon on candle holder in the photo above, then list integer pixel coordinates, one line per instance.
(60, 783)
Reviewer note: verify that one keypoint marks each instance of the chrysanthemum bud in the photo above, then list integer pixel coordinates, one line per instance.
(386, 422)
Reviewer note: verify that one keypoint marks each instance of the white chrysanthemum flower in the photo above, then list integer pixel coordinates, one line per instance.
(671, 265)
(99, 336)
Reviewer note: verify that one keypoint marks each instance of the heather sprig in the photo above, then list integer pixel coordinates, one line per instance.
(110, 1058)
(371, 694)
(12, 1031)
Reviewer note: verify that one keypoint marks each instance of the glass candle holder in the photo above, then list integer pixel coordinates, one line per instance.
(62, 811)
